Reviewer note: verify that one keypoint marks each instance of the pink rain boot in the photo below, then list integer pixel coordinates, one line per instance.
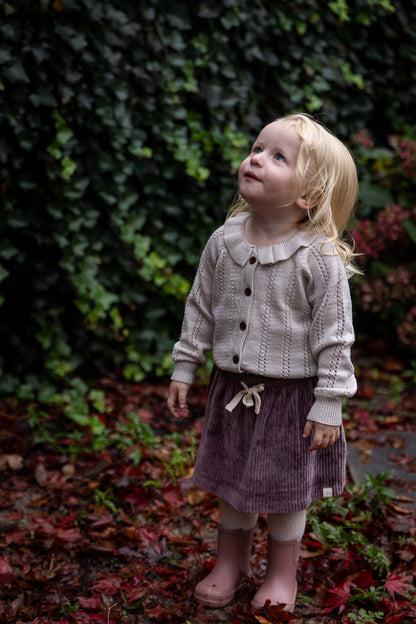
(232, 564)
(279, 583)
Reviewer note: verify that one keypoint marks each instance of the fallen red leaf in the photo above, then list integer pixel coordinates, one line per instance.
(397, 583)
(157, 612)
(91, 603)
(362, 579)
(337, 597)
(5, 569)
(398, 618)
(109, 585)
(69, 535)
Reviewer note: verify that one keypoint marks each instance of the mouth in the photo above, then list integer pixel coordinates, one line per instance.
(250, 175)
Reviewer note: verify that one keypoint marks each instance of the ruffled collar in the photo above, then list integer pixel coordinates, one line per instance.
(240, 249)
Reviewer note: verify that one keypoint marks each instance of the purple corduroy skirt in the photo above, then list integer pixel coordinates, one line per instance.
(260, 463)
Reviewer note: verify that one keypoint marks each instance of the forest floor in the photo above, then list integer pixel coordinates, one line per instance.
(108, 529)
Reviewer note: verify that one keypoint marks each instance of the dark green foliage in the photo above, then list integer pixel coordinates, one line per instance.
(122, 124)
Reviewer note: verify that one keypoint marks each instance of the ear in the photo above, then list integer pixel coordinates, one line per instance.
(309, 198)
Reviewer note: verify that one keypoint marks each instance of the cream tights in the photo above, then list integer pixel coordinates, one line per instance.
(284, 527)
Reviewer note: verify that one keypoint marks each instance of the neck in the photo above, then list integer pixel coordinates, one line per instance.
(263, 233)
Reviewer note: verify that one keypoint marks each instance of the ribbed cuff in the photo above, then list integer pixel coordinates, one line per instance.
(184, 372)
(327, 411)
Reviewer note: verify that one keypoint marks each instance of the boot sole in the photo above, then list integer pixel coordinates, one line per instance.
(289, 607)
(213, 602)
(220, 601)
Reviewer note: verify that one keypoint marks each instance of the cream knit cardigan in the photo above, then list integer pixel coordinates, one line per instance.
(279, 311)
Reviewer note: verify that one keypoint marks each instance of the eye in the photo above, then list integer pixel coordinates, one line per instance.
(256, 150)
(280, 157)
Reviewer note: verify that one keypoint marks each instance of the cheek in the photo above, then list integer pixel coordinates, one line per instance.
(241, 170)
(242, 166)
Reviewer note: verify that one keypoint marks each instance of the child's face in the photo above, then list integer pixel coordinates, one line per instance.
(266, 178)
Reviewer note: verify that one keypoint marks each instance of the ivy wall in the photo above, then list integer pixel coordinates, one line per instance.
(122, 125)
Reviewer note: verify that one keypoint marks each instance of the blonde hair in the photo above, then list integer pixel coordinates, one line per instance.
(327, 175)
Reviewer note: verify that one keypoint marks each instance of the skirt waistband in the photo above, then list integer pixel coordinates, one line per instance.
(251, 379)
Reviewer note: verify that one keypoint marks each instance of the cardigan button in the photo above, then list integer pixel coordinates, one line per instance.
(252, 260)
(236, 359)
(247, 292)
(243, 326)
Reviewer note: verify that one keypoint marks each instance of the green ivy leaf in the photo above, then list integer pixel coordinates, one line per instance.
(3, 273)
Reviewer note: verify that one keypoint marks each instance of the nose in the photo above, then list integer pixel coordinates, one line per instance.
(256, 158)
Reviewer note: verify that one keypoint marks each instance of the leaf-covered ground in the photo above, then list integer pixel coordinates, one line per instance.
(119, 535)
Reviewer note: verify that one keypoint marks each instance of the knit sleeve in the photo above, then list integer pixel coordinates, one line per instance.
(331, 336)
(189, 353)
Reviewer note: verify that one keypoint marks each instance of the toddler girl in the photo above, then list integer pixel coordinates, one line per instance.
(272, 302)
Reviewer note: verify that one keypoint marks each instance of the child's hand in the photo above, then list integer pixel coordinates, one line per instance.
(324, 435)
(177, 399)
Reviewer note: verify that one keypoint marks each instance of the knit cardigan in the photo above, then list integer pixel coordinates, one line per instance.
(279, 311)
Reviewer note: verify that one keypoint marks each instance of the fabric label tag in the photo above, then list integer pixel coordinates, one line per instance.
(327, 492)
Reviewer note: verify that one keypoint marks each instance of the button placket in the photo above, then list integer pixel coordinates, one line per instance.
(245, 310)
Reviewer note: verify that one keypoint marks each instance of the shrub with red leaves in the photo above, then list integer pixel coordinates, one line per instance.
(385, 238)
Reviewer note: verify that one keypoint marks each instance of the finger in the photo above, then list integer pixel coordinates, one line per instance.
(182, 398)
(332, 438)
(315, 446)
(325, 442)
(172, 403)
(317, 442)
(324, 438)
(173, 409)
(308, 429)
(177, 400)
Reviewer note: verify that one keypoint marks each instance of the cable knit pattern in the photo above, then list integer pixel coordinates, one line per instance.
(282, 311)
